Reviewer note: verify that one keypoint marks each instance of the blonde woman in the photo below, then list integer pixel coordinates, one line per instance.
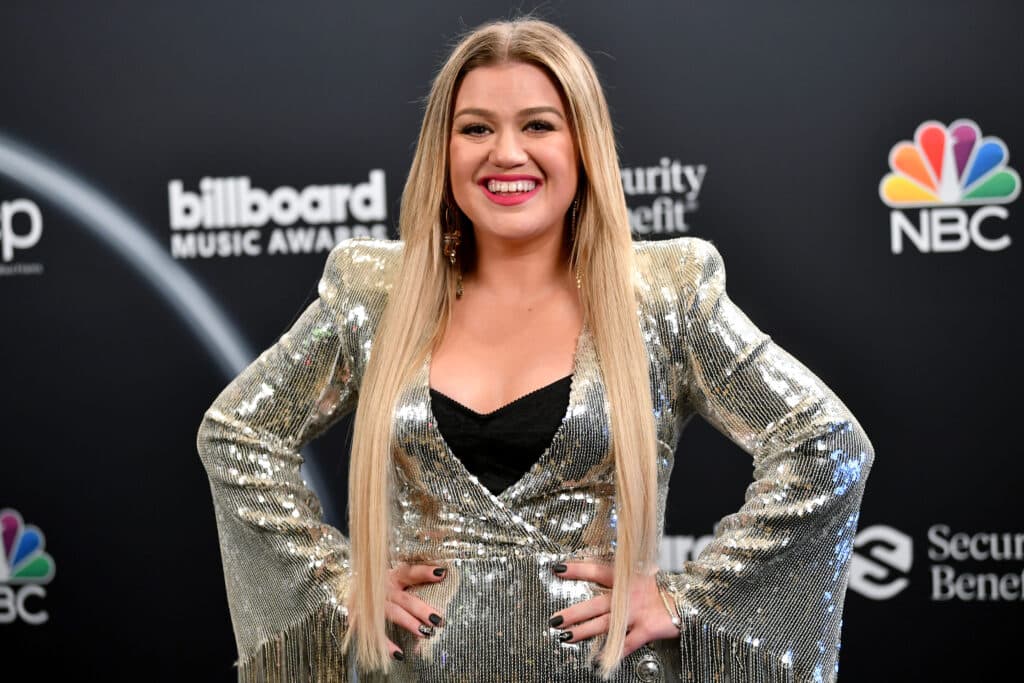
(521, 371)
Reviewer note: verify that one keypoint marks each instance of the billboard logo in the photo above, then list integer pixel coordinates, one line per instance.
(943, 169)
(230, 217)
(24, 569)
(21, 227)
(882, 558)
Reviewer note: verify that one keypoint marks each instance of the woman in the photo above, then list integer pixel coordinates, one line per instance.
(516, 277)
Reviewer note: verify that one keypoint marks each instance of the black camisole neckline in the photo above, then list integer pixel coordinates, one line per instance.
(499, 447)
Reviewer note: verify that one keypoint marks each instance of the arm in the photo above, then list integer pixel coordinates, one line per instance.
(286, 572)
(763, 601)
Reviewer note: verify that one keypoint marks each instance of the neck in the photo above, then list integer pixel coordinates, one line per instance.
(521, 270)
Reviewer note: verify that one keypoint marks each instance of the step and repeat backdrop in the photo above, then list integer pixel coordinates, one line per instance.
(854, 165)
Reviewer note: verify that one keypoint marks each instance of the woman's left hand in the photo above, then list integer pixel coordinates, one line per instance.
(647, 620)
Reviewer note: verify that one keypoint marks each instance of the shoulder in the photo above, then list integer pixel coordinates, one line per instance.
(360, 267)
(681, 263)
(690, 247)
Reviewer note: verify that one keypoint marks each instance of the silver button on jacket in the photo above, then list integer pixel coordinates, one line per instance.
(767, 593)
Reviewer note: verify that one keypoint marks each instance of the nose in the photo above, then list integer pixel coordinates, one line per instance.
(508, 150)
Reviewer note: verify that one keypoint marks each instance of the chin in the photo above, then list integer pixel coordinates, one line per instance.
(513, 224)
(512, 230)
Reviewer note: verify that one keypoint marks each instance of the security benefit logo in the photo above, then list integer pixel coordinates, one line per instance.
(881, 560)
(959, 183)
(976, 566)
(660, 197)
(24, 569)
(230, 217)
(21, 228)
(965, 566)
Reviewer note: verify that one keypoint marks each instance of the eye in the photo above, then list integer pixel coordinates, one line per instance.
(539, 125)
(474, 129)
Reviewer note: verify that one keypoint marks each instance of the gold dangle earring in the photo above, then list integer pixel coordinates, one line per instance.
(451, 237)
(572, 233)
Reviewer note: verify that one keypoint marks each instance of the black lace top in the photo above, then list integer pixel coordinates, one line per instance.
(500, 447)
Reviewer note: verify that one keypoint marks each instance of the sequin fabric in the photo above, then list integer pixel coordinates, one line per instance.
(762, 603)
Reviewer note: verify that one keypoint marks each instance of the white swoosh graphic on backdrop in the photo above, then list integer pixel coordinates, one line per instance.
(126, 236)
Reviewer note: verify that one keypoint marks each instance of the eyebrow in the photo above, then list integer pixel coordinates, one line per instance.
(474, 111)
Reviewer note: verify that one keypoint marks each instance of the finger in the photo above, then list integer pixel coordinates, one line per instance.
(396, 652)
(588, 629)
(417, 607)
(411, 575)
(635, 639)
(598, 572)
(581, 611)
(402, 618)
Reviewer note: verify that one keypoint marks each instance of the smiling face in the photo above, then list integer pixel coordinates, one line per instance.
(514, 166)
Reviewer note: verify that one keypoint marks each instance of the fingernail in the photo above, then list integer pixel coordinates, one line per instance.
(427, 631)
(435, 619)
(565, 635)
(559, 568)
(555, 621)
(398, 655)
(439, 571)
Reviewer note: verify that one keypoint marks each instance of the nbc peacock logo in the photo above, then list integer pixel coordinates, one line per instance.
(943, 169)
(24, 568)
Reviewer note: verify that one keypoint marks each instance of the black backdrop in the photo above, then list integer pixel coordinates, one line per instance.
(115, 341)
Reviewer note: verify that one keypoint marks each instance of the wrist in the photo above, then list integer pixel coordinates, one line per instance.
(668, 599)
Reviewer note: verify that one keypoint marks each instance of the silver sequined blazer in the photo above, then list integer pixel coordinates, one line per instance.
(762, 603)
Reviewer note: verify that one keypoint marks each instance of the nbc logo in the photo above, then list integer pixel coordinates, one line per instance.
(24, 567)
(943, 169)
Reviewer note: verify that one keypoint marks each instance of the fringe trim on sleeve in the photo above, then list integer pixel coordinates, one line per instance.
(307, 650)
(709, 654)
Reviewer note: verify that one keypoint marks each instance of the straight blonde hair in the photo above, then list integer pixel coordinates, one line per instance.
(420, 303)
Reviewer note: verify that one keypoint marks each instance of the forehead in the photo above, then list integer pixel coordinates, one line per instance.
(509, 86)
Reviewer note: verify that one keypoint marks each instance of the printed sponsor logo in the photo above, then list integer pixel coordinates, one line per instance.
(661, 197)
(942, 169)
(884, 556)
(21, 228)
(24, 569)
(881, 560)
(675, 550)
(230, 217)
(951, 582)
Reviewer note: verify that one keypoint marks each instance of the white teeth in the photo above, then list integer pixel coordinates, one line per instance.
(497, 186)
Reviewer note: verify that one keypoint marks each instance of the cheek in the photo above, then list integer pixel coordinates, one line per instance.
(454, 162)
(457, 153)
(567, 175)
(460, 175)
(563, 161)
(464, 156)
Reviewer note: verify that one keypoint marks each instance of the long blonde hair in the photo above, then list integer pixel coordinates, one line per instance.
(420, 303)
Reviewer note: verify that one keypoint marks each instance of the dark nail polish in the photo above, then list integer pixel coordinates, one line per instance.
(398, 655)
(555, 621)
(559, 568)
(565, 635)
(439, 571)
(435, 619)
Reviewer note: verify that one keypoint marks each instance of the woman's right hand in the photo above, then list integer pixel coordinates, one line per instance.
(405, 608)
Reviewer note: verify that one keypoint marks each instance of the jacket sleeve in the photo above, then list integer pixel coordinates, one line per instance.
(286, 572)
(763, 601)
